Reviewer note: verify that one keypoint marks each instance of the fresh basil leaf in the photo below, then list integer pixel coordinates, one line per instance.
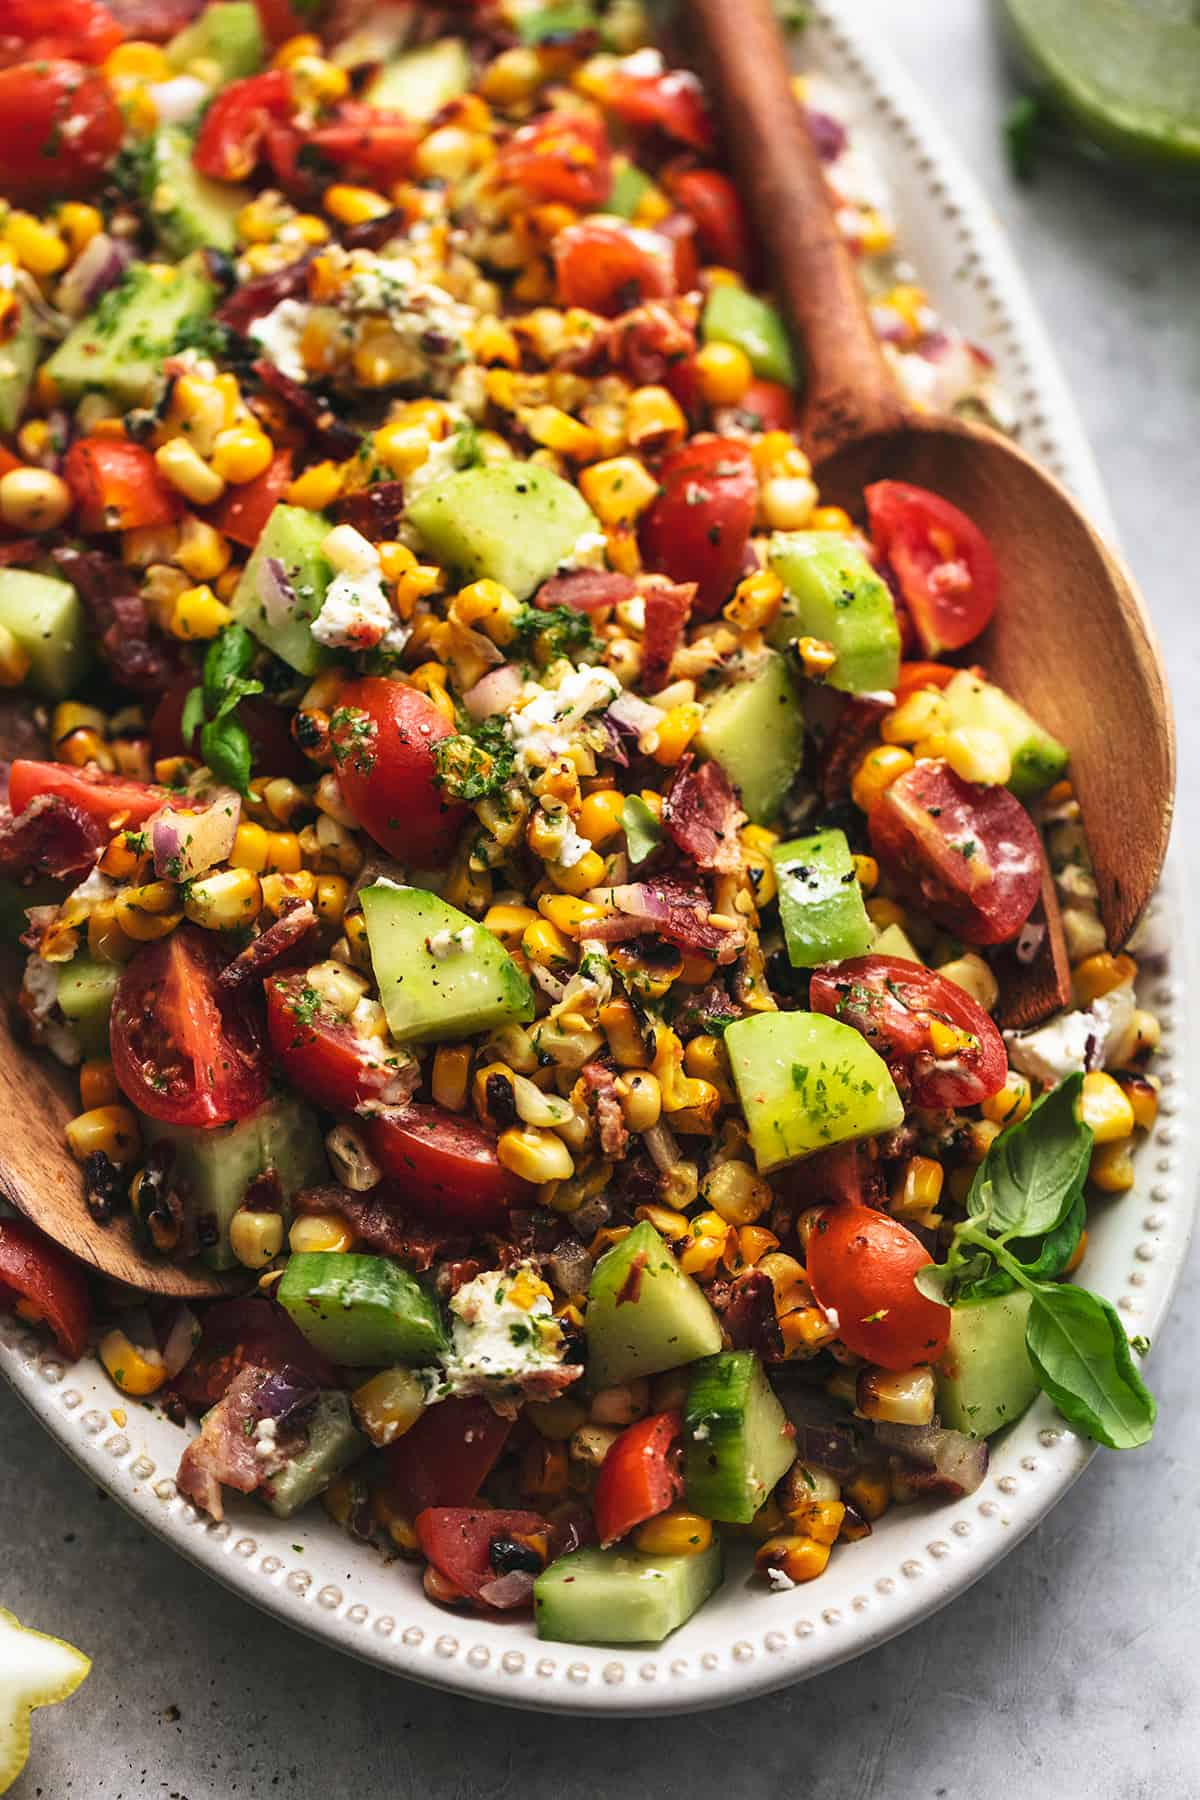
(192, 716)
(236, 690)
(1040, 1261)
(643, 833)
(1081, 1354)
(1028, 1181)
(226, 749)
(230, 655)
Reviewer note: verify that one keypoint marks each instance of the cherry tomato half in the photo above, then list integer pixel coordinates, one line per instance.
(82, 30)
(446, 1456)
(941, 559)
(117, 485)
(767, 406)
(235, 127)
(274, 750)
(59, 129)
(458, 1542)
(319, 1051)
(699, 527)
(716, 206)
(368, 143)
(610, 267)
(561, 156)
(112, 800)
(44, 1284)
(383, 735)
(970, 855)
(445, 1165)
(917, 675)
(670, 100)
(861, 1265)
(640, 1476)
(182, 1049)
(891, 1002)
(243, 511)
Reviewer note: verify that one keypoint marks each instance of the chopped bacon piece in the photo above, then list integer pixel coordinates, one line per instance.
(277, 944)
(375, 511)
(701, 815)
(853, 732)
(648, 341)
(585, 590)
(51, 838)
(749, 1316)
(675, 909)
(614, 1133)
(137, 653)
(379, 1219)
(227, 1451)
(668, 608)
(256, 298)
(326, 431)
(238, 1334)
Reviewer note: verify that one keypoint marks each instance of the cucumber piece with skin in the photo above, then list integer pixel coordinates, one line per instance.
(644, 1314)
(292, 536)
(18, 360)
(805, 1082)
(85, 997)
(422, 81)
(227, 33)
(835, 595)
(755, 730)
(513, 523)
(630, 185)
(440, 973)
(984, 1377)
(46, 617)
(737, 1440)
(732, 315)
(1038, 760)
(621, 1596)
(119, 348)
(821, 906)
(362, 1311)
(333, 1442)
(187, 210)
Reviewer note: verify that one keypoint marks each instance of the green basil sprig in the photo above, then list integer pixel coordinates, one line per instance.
(224, 743)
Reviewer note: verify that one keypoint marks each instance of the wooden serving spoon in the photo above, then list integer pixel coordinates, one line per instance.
(1071, 637)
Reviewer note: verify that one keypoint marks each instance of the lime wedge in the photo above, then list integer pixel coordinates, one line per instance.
(1124, 73)
(35, 1670)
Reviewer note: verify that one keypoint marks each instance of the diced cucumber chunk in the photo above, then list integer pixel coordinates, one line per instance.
(46, 617)
(440, 974)
(228, 33)
(85, 996)
(985, 1378)
(561, 19)
(364, 1311)
(513, 523)
(332, 1443)
(18, 359)
(644, 1314)
(893, 940)
(292, 536)
(821, 905)
(755, 730)
(187, 210)
(630, 185)
(422, 81)
(835, 595)
(736, 1436)
(805, 1082)
(119, 349)
(622, 1597)
(732, 315)
(1038, 760)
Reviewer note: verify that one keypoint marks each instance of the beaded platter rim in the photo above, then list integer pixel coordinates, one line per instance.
(746, 1641)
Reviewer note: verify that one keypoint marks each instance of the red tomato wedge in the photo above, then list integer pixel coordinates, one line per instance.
(970, 855)
(610, 267)
(383, 735)
(117, 486)
(699, 527)
(715, 205)
(941, 559)
(445, 1458)
(44, 1284)
(445, 1165)
(319, 1051)
(458, 1542)
(235, 127)
(276, 752)
(670, 100)
(917, 675)
(182, 1049)
(32, 31)
(861, 1265)
(561, 156)
(767, 406)
(238, 1333)
(640, 1477)
(891, 1002)
(112, 800)
(244, 510)
(40, 157)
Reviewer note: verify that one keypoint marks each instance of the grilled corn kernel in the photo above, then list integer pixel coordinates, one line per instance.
(198, 614)
(736, 1192)
(1095, 975)
(1106, 1108)
(819, 1519)
(545, 945)
(224, 900)
(786, 1276)
(870, 1492)
(974, 977)
(701, 1256)
(354, 205)
(180, 464)
(574, 917)
(668, 741)
(543, 1468)
(241, 454)
(724, 373)
(389, 1404)
(756, 601)
(777, 453)
(134, 1369)
(706, 1058)
(1142, 1096)
(80, 224)
(1009, 1105)
(654, 420)
(618, 1021)
(451, 1071)
(34, 499)
(15, 661)
(319, 1231)
(798, 1558)
(557, 430)
(249, 848)
(600, 816)
(534, 1154)
(507, 923)
(283, 853)
(317, 487)
(979, 755)
(256, 1238)
(618, 490)
(755, 1242)
(147, 912)
(917, 716)
(587, 873)
(876, 773)
(39, 248)
(674, 1533)
(97, 1084)
(201, 551)
(831, 518)
(1111, 1167)
(903, 1397)
(785, 502)
(883, 912)
(641, 1099)
(112, 1129)
(917, 1189)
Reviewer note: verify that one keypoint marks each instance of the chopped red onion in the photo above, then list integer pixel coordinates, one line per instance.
(633, 714)
(495, 692)
(276, 591)
(181, 1340)
(508, 1592)
(188, 840)
(946, 1461)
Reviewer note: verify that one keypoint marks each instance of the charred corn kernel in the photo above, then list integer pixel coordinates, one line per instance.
(1009, 1105)
(317, 487)
(249, 848)
(513, 76)
(654, 419)
(674, 1533)
(357, 942)
(587, 873)
(224, 900)
(866, 870)
(180, 464)
(535, 1155)
(449, 153)
(1095, 975)
(137, 59)
(508, 923)
(724, 373)
(332, 895)
(493, 342)
(97, 1084)
(258, 221)
(979, 755)
(557, 430)
(283, 853)
(256, 1238)
(922, 713)
(618, 490)
(355, 205)
(917, 1189)
(777, 453)
(399, 1528)
(34, 499)
(82, 747)
(546, 946)
(870, 1492)
(641, 1099)
(831, 518)
(389, 1404)
(106, 941)
(1142, 1096)
(979, 1137)
(974, 977)
(805, 1330)
(1106, 1108)
(279, 888)
(451, 1072)
(931, 748)
(705, 1057)
(38, 443)
(203, 552)
(1147, 1034)
(948, 1040)
(600, 816)
(818, 1519)
(133, 1368)
(112, 1129)
(619, 1023)
(490, 607)
(785, 502)
(798, 1558)
(39, 247)
(1112, 1167)
(317, 82)
(570, 915)
(736, 1192)
(816, 656)
(756, 599)
(79, 224)
(198, 614)
(293, 48)
(319, 1231)
(671, 1225)
(14, 660)
(241, 454)
(671, 738)
(785, 1275)
(755, 1242)
(148, 912)
(701, 1257)
(876, 773)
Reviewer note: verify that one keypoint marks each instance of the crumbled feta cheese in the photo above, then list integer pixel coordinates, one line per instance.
(780, 1581)
(97, 887)
(442, 461)
(547, 719)
(39, 1003)
(1094, 1037)
(587, 552)
(503, 1330)
(356, 614)
(423, 317)
(278, 335)
(446, 943)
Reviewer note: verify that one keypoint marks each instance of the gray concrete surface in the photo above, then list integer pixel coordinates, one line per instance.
(1073, 1670)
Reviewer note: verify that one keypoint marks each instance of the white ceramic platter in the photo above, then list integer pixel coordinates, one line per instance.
(746, 1640)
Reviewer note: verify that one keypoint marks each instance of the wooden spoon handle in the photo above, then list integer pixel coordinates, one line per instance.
(849, 389)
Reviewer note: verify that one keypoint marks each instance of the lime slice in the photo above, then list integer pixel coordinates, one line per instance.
(35, 1670)
(1125, 73)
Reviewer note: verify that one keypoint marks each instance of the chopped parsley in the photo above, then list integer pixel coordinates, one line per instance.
(557, 631)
